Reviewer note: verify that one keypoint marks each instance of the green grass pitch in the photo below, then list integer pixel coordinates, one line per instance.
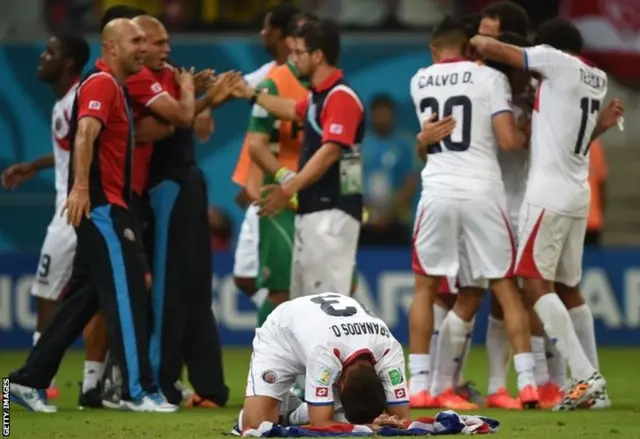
(618, 365)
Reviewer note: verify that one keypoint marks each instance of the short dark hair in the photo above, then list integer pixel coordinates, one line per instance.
(292, 27)
(513, 39)
(363, 397)
(449, 31)
(385, 100)
(119, 11)
(471, 23)
(75, 48)
(560, 34)
(512, 16)
(324, 36)
(280, 16)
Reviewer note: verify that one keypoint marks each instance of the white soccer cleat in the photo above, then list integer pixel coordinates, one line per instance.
(32, 399)
(600, 401)
(153, 402)
(581, 392)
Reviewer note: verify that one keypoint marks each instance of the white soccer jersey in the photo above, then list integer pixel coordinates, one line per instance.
(318, 335)
(60, 117)
(256, 77)
(565, 114)
(465, 165)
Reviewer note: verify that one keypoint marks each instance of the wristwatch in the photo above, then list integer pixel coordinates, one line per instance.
(254, 98)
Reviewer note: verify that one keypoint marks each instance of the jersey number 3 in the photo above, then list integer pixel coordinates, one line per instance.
(328, 304)
(454, 101)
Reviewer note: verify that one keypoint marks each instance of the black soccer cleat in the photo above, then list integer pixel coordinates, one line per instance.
(90, 399)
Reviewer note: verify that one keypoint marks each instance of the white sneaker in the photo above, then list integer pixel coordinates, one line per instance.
(32, 399)
(581, 392)
(153, 402)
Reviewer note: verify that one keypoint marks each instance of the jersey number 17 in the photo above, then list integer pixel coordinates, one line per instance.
(588, 106)
(453, 101)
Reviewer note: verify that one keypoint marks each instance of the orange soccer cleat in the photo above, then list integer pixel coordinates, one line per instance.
(502, 400)
(529, 397)
(421, 400)
(550, 395)
(450, 400)
(196, 400)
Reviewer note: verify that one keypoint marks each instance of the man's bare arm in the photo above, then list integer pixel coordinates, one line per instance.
(261, 154)
(315, 168)
(88, 130)
(399, 411)
(507, 133)
(492, 49)
(149, 130)
(44, 162)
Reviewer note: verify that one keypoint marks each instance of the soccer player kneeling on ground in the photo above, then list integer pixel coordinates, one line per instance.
(355, 368)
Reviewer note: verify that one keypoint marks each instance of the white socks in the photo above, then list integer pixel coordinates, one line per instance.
(498, 354)
(439, 314)
(557, 324)
(583, 323)
(556, 364)
(259, 297)
(539, 352)
(93, 371)
(453, 336)
(419, 371)
(524, 366)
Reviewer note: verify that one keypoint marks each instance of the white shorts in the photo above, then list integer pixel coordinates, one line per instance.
(56, 258)
(514, 204)
(464, 279)
(271, 371)
(551, 245)
(246, 261)
(480, 225)
(324, 253)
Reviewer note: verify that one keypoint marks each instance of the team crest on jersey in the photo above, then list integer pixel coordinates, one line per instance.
(60, 127)
(325, 377)
(322, 392)
(269, 377)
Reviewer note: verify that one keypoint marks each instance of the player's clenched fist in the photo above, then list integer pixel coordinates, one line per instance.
(77, 205)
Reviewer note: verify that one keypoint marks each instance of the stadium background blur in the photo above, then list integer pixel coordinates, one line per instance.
(385, 42)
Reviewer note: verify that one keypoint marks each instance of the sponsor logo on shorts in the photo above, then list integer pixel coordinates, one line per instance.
(156, 87)
(400, 393)
(325, 377)
(266, 272)
(322, 392)
(395, 376)
(269, 377)
(128, 233)
(95, 105)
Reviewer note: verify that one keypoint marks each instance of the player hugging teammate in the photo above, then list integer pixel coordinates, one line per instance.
(473, 186)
